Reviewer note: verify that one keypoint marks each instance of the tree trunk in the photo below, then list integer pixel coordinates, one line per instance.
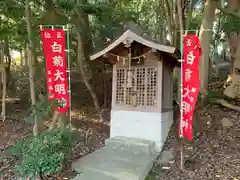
(176, 36)
(8, 77)
(82, 23)
(189, 14)
(25, 58)
(87, 43)
(4, 84)
(205, 38)
(85, 32)
(233, 91)
(51, 16)
(21, 57)
(178, 70)
(170, 21)
(4, 93)
(32, 90)
(80, 63)
(56, 117)
(32, 63)
(7, 53)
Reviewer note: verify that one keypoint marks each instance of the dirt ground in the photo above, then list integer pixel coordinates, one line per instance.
(213, 155)
(14, 128)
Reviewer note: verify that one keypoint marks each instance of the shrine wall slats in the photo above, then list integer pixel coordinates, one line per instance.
(144, 95)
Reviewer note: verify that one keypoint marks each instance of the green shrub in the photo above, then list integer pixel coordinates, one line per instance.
(152, 176)
(45, 153)
(214, 94)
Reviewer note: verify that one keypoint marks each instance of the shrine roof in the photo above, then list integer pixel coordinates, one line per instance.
(132, 36)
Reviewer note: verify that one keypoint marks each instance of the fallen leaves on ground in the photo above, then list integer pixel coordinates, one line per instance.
(214, 155)
(15, 128)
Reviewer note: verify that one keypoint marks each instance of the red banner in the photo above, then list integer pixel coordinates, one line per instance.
(54, 46)
(190, 82)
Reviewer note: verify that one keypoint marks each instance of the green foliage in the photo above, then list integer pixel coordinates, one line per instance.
(196, 21)
(230, 23)
(214, 94)
(152, 176)
(65, 4)
(45, 153)
(40, 108)
(109, 20)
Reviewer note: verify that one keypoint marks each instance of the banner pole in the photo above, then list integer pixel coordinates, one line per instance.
(182, 34)
(181, 135)
(67, 50)
(181, 112)
(69, 73)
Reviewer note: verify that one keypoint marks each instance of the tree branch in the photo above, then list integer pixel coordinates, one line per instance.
(227, 11)
(185, 4)
(91, 9)
(39, 2)
(224, 103)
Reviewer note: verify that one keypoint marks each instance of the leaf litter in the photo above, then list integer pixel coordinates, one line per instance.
(215, 154)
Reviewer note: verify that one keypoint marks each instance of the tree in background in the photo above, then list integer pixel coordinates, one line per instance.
(231, 26)
(205, 37)
(94, 24)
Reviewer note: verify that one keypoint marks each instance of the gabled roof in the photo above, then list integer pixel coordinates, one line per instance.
(129, 34)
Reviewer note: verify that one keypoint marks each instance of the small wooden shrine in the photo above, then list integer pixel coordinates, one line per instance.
(142, 87)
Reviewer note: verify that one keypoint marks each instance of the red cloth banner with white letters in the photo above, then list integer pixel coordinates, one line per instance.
(190, 82)
(54, 46)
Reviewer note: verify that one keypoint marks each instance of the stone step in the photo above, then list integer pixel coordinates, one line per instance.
(123, 165)
(89, 175)
(131, 144)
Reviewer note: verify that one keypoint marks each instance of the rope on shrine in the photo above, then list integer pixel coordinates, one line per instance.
(127, 57)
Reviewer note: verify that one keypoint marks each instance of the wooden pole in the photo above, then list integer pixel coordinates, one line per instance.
(181, 117)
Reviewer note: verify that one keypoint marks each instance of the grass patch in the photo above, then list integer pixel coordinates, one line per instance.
(152, 176)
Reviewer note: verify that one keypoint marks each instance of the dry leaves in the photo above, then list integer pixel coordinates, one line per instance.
(11, 130)
(214, 155)
(211, 156)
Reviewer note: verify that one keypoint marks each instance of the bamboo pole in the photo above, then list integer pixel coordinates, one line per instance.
(69, 72)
